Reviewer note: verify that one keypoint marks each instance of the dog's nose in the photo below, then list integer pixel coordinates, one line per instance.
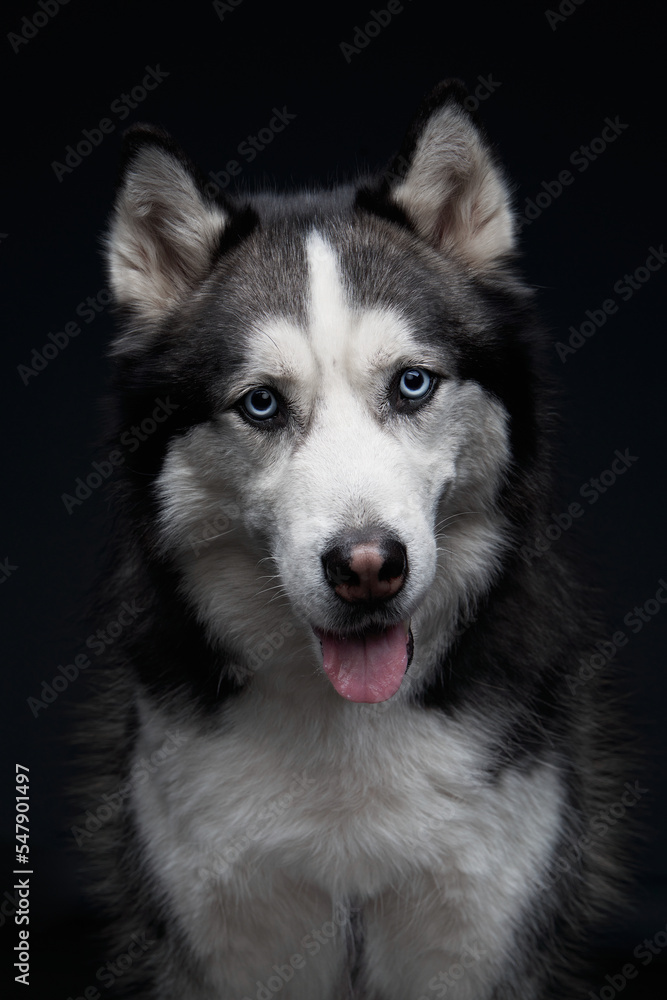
(366, 569)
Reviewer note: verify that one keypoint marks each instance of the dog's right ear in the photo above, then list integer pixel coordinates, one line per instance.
(163, 230)
(447, 181)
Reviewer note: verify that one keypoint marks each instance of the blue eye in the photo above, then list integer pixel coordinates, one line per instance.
(260, 404)
(415, 383)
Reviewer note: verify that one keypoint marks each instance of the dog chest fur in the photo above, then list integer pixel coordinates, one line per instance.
(292, 811)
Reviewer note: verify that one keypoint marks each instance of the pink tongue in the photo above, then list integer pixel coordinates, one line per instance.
(366, 669)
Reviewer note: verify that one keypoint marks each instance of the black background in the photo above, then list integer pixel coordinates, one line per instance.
(553, 86)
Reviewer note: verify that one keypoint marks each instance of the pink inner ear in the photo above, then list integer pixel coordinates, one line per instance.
(453, 190)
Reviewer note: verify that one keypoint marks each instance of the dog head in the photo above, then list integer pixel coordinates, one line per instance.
(351, 371)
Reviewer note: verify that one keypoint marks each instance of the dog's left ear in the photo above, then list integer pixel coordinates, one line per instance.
(447, 181)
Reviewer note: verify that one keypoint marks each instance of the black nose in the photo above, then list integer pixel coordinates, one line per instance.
(366, 567)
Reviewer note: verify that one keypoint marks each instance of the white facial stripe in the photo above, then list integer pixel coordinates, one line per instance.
(340, 344)
(328, 310)
(340, 335)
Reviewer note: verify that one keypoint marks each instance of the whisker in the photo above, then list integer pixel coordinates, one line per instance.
(266, 590)
(451, 517)
(204, 540)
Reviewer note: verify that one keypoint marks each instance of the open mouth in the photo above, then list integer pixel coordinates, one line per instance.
(368, 667)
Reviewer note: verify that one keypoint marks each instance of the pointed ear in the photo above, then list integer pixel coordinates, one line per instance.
(164, 230)
(449, 183)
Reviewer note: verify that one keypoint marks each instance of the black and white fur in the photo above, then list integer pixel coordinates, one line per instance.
(405, 849)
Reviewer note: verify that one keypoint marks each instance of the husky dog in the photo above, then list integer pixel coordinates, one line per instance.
(343, 730)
